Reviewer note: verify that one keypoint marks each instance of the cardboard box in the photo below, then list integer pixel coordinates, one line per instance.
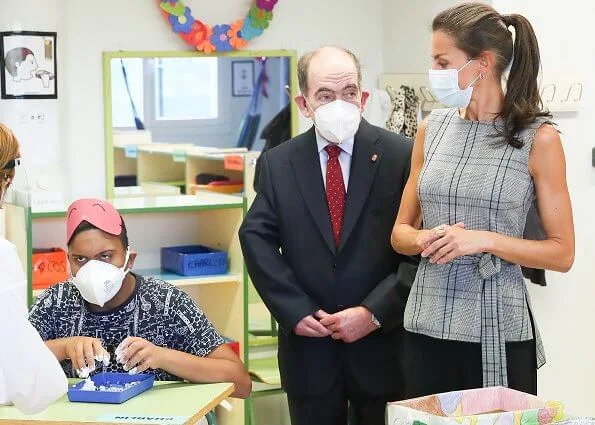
(495, 406)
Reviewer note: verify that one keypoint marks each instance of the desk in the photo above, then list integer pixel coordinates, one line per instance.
(188, 403)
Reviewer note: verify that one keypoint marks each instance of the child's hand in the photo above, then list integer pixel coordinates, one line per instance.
(83, 351)
(138, 355)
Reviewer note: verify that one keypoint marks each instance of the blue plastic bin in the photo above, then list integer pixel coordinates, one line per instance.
(193, 260)
(145, 382)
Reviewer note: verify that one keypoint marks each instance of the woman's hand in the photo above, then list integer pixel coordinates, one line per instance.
(457, 242)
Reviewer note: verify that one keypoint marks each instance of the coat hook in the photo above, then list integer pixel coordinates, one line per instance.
(580, 93)
(551, 99)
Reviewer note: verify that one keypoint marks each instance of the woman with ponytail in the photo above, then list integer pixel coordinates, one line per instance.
(476, 169)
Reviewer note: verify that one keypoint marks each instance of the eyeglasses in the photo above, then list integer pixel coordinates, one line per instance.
(12, 163)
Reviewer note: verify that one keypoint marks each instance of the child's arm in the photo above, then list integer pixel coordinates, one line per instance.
(220, 365)
(82, 350)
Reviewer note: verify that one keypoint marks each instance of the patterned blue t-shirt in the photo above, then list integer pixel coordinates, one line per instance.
(156, 311)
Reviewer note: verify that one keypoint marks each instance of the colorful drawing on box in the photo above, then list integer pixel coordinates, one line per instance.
(485, 406)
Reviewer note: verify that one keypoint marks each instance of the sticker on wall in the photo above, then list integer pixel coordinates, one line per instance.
(28, 65)
(218, 38)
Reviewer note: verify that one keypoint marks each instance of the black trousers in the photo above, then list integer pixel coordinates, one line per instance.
(344, 399)
(435, 366)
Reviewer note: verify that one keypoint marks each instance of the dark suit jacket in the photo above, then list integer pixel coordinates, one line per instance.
(296, 268)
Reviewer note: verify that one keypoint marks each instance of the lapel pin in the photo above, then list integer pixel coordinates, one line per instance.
(374, 157)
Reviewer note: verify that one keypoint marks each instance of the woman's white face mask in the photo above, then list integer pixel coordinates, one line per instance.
(99, 282)
(445, 86)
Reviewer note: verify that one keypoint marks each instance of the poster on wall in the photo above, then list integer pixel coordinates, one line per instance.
(28, 68)
(242, 78)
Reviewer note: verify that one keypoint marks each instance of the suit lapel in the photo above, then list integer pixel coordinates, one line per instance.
(306, 166)
(364, 164)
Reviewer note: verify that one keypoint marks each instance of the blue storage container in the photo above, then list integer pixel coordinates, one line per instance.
(144, 382)
(193, 260)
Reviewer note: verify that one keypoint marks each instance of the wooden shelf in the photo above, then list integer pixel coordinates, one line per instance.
(164, 148)
(178, 203)
(177, 280)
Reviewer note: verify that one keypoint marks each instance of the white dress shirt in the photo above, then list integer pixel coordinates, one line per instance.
(344, 157)
(30, 375)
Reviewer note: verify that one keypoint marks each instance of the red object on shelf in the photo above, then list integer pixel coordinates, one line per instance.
(233, 162)
(49, 267)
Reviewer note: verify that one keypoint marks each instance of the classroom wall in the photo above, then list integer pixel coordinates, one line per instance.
(87, 28)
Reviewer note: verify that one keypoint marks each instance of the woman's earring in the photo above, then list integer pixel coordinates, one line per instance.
(481, 76)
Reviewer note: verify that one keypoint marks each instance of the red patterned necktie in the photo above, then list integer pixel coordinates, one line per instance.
(335, 190)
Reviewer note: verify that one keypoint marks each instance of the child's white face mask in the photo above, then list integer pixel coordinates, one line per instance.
(99, 282)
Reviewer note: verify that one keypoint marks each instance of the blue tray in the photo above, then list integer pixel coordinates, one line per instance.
(145, 382)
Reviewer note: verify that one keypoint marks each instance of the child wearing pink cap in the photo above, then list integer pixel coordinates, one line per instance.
(107, 317)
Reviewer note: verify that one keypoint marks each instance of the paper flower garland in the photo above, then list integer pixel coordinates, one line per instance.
(218, 38)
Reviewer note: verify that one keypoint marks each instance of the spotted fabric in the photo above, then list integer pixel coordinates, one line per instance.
(156, 311)
(471, 175)
(335, 190)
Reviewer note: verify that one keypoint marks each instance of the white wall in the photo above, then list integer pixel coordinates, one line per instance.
(563, 309)
(41, 143)
(407, 33)
(87, 28)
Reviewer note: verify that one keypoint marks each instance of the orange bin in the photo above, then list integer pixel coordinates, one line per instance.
(49, 267)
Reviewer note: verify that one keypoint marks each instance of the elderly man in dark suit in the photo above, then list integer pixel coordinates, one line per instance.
(316, 242)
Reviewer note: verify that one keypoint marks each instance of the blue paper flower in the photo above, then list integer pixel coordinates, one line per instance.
(249, 31)
(220, 38)
(182, 23)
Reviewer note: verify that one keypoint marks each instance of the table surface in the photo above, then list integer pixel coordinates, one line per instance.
(187, 403)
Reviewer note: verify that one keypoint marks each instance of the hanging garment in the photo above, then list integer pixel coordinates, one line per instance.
(137, 121)
(251, 121)
(277, 131)
(403, 115)
(378, 108)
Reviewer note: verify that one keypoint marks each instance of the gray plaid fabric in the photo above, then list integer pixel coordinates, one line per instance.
(471, 175)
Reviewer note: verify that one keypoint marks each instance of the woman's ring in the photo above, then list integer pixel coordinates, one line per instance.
(440, 231)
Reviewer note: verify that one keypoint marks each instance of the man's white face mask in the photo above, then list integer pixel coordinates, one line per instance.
(337, 121)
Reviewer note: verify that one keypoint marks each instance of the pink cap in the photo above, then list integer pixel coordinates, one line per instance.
(100, 214)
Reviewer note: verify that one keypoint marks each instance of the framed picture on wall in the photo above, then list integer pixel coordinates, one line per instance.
(242, 78)
(28, 68)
